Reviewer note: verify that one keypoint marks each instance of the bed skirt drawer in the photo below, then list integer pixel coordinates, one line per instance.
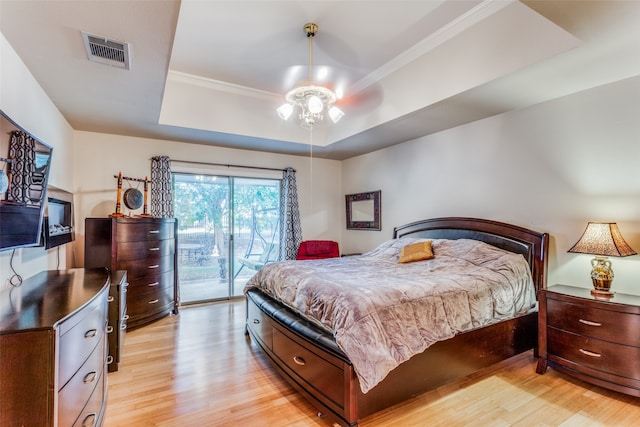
(310, 368)
(260, 325)
(305, 355)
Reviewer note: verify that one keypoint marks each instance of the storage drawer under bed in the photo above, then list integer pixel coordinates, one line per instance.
(260, 325)
(313, 369)
(305, 364)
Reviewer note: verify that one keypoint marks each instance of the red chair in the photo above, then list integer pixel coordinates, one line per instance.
(318, 249)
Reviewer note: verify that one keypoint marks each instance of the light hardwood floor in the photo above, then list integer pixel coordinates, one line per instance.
(199, 369)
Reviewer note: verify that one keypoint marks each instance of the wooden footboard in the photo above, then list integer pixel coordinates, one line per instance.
(308, 358)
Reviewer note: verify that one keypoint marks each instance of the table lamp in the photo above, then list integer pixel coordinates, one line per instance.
(602, 239)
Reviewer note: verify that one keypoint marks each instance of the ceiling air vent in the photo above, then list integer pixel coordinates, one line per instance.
(105, 51)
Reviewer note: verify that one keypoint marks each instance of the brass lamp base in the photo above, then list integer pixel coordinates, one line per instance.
(602, 289)
(601, 294)
(602, 276)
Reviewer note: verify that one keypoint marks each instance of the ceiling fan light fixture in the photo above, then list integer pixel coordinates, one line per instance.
(314, 104)
(310, 98)
(285, 111)
(335, 114)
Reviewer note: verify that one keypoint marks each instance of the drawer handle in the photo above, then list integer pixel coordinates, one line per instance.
(111, 299)
(589, 322)
(90, 377)
(153, 301)
(123, 326)
(589, 353)
(154, 284)
(109, 360)
(256, 322)
(89, 420)
(154, 266)
(109, 329)
(126, 317)
(299, 360)
(154, 231)
(154, 249)
(90, 333)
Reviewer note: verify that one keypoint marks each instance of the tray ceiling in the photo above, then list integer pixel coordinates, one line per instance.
(213, 72)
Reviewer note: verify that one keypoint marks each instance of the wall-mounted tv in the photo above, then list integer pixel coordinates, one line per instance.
(24, 173)
(57, 228)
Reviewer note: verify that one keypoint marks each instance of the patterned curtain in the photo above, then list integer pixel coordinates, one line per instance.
(291, 235)
(22, 150)
(161, 196)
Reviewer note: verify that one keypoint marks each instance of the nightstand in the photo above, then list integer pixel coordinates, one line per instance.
(594, 340)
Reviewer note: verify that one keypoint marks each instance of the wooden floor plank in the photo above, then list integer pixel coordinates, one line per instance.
(199, 369)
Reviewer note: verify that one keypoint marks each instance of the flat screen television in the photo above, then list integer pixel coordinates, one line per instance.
(24, 174)
(57, 228)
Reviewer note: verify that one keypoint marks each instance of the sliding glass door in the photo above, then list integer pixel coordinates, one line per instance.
(256, 231)
(227, 229)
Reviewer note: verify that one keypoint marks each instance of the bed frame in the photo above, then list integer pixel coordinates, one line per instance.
(309, 359)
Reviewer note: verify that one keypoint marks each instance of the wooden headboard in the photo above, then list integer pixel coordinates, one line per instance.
(534, 246)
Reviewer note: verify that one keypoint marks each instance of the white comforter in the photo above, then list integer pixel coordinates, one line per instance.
(381, 313)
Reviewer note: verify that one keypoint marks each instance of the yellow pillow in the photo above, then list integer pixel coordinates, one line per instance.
(416, 252)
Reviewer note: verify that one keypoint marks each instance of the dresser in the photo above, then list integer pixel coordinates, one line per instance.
(146, 249)
(53, 349)
(595, 340)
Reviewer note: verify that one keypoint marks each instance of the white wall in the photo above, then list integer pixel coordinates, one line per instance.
(84, 163)
(552, 167)
(100, 156)
(23, 100)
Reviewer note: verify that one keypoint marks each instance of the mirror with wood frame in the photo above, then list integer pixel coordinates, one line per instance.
(363, 211)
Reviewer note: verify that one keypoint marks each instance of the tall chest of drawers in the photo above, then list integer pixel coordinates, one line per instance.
(53, 349)
(595, 340)
(146, 249)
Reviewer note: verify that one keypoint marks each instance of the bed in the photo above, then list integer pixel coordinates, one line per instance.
(312, 358)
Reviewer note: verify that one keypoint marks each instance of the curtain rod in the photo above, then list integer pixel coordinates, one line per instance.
(227, 165)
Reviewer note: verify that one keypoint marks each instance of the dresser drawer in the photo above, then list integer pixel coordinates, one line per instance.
(593, 322)
(117, 321)
(78, 342)
(312, 369)
(259, 324)
(150, 250)
(93, 412)
(146, 267)
(77, 392)
(139, 287)
(601, 355)
(140, 230)
(150, 302)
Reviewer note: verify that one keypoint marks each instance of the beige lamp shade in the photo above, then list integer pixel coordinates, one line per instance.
(604, 239)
